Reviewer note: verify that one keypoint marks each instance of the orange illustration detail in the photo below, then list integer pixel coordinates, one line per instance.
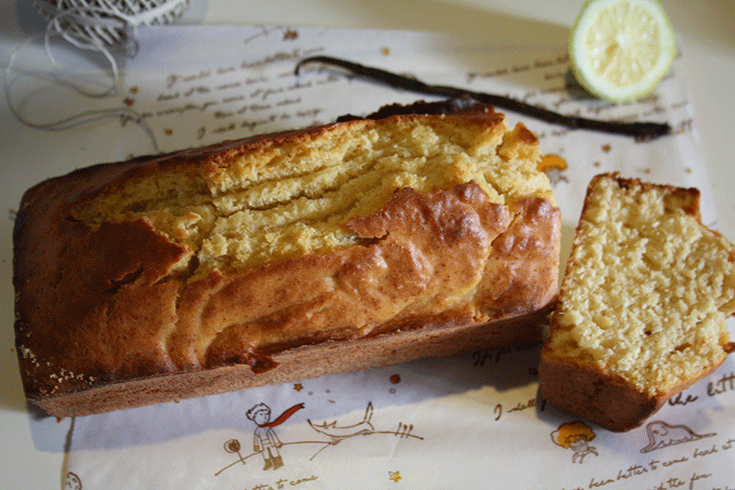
(550, 162)
(553, 166)
(395, 476)
(575, 436)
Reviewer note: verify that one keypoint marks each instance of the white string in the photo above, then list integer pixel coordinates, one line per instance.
(100, 42)
(94, 45)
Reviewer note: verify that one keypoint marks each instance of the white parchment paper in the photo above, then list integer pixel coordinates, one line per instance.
(470, 421)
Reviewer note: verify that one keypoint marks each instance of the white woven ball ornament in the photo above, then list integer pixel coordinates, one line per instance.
(107, 23)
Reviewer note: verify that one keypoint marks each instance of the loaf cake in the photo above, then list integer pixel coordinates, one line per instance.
(282, 257)
(642, 307)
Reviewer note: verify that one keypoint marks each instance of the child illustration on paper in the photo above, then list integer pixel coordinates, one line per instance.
(265, 440)
(575, 436)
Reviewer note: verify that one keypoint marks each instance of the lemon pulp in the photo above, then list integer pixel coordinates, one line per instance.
(620, 49)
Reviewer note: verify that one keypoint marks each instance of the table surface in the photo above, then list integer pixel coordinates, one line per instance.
(706, 31)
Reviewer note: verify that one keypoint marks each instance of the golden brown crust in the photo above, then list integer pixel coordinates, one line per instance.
(521, 268)
(592, 394)
(436, 337)
(685, 199)
(109, 316)
(595, 395)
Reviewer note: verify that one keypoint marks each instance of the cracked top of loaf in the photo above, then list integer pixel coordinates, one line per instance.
(292, 194)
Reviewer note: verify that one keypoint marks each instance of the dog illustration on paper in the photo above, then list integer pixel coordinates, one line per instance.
(660, 435)
(338, 433)
(575, 436)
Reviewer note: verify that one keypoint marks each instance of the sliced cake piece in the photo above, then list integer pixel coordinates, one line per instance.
(643, 304)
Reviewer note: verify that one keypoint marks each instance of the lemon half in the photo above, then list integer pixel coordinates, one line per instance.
(620, 50)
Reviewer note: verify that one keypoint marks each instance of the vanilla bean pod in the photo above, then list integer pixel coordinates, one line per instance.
(641, 131)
